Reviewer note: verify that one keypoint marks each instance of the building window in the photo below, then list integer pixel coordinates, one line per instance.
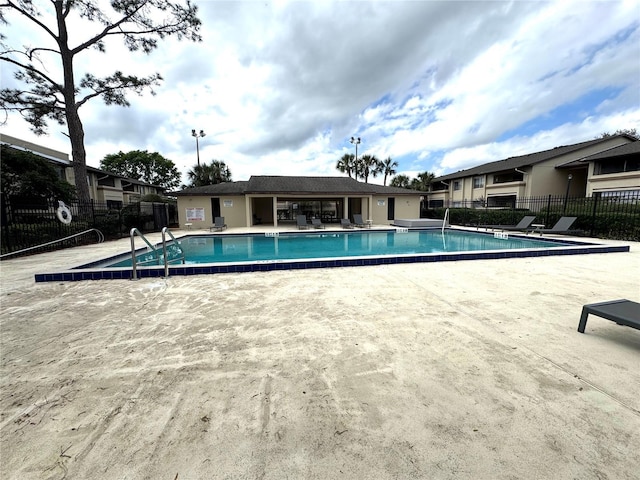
(502, 201)
(478, 182)
(436, 203)
(456, 185)
(506, 177)
(114, 204)
(617, 165)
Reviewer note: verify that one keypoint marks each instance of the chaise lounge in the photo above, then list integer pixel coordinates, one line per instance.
(358, 222)
(521, 226)
(562, 226)
(623, 312)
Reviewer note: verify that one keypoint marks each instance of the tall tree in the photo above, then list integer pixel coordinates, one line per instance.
(149, 167)
(346, 164)
(209, 174)
(388, 168)
(369, 165)
(401, 181)
(621, 131)
(423, 181)
(140, 24)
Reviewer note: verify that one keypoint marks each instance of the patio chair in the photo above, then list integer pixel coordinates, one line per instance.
(562, 226)
(317, 223)
(301, 220)
(623, 312)
(346, 223)
(358, 222)
(218, 225)
(521, 226)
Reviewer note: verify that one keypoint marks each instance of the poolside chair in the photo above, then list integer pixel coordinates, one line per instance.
(317, 223)
(522, 226)
(301, 220)
(623, 312)
(562, 226)
(358, 222)
(218, 225)
(346, 223)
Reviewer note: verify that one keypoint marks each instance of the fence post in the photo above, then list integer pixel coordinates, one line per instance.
(593, 215)
(546, 218)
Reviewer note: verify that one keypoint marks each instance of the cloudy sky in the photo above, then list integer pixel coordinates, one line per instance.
(280, 87)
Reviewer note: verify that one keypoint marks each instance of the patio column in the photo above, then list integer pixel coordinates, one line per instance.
(345, 207)
(275, 211)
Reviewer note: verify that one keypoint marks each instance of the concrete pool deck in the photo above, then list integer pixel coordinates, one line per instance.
(453, 370)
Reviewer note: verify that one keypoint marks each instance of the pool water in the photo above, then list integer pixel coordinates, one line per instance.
(261, 248)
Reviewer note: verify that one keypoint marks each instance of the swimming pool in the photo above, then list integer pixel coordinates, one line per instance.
(295, 246)
(227, 253)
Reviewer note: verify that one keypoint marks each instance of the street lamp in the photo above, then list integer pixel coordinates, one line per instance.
(197, 135)
(356, 141)
(566, 196)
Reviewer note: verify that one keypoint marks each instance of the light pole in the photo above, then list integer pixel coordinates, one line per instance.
(566, 196)
(197, 135)
(356, 141)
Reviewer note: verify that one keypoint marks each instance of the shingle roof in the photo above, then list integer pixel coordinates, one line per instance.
(226, 188)
(523, 160)
(291, 185)
(632, 148)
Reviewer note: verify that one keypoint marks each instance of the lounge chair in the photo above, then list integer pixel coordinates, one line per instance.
(317, 223)
(358, 222)
(218, 225)
(346, 223)
(522, 226)
(301, 220)
(623, 312)
(562, 226)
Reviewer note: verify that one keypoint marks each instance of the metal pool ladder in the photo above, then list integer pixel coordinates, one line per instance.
(445, 219)
(157, 256)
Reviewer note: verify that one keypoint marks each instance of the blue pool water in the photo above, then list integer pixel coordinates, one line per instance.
(261, 248)
(228, 253)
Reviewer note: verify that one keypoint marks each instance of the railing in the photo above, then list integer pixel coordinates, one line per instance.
(604, 216)
(156, 257)
(165, 254)
(70, 237)
(134, 259)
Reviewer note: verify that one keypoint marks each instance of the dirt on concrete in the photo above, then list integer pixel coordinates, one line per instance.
(460, 370)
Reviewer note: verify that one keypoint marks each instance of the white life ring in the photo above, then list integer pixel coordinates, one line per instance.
(63, 213)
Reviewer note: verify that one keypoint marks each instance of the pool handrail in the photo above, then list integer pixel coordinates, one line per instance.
(98, 232)
(134, 262)
(165, 230)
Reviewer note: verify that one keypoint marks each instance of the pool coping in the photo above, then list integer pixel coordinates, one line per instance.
(84, 272)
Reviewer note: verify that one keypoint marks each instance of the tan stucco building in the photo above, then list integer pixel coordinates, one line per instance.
(104, 187)
(277, 200)
(577, 170)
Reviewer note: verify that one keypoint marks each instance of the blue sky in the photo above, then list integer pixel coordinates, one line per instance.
(280, 87)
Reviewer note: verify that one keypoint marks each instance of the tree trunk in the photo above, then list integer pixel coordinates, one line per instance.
(74, 124)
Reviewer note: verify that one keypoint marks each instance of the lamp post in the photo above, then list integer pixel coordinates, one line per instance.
(356, 141)
(197, 135)
(566, 196)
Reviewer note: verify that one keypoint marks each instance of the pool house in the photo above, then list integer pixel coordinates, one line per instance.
(278, 200)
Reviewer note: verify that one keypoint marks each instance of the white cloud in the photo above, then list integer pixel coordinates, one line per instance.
(280, 87)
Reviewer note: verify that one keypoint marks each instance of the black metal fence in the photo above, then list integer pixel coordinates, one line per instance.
(28, 223)
(616, 216)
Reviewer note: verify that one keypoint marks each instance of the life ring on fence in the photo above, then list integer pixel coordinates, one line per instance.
(63, 213)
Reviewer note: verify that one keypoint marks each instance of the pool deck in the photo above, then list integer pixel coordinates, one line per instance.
(457, 370)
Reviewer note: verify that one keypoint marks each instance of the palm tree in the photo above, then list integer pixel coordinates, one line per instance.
(209, 174)
(423, 181)
(401, 181)
(346, 164)
(388, 168)
(370, 165)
